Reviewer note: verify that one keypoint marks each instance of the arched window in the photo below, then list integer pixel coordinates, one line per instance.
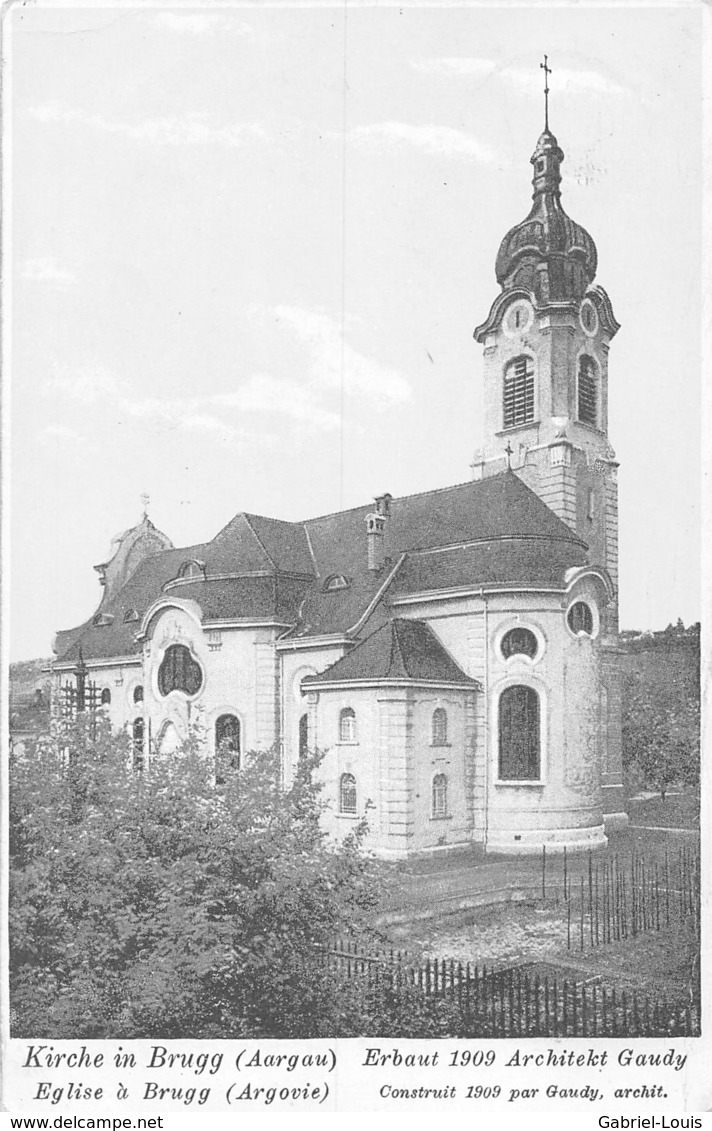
(580, 618)
(519, 734)
(179, 672)
(439, 727)
(137, 734)
(347, 794)
(227, 747)
(138, 694)
(518, 398)
(303, 736)
(519, 642)
(105, 696)
(347, 725)
(588, 391)
(130, 615)
(440, 795)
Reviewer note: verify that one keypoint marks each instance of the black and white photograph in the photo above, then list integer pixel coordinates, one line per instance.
(352, 553)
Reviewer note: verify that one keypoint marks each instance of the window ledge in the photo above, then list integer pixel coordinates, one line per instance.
(441, 817)
(518, 427)
(441, 745)
(521, 782)
(347, 742)
(347, 816)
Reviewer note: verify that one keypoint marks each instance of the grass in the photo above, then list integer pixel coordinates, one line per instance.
(681, 811)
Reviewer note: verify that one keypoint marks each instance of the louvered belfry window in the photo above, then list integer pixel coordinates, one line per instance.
(588, 392)
(519, 392)
(519, 737)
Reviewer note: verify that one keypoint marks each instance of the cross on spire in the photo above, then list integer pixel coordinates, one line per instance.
(145, 499)
(510, 452)
(547, 71)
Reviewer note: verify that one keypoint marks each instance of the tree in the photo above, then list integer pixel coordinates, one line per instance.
(661, 731)
(161, 904)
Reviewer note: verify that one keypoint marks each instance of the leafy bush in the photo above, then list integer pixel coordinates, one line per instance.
(160, 904)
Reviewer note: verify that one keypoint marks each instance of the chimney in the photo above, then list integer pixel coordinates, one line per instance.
(375, 532)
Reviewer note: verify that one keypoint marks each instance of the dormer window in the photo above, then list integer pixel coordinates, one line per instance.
(518, 399)
(103, 619)
(192, 569)
(130, 615)
(335, 582)
(588, 391)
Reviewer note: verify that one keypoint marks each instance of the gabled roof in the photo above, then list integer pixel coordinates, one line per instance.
(400, 650)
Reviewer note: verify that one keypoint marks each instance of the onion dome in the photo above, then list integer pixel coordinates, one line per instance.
(547, 254)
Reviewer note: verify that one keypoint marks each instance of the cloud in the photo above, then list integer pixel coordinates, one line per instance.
(192, 130)
(46, 270)
(331, 355)
(198, 23)
(454, 65)
(263, 393)
(443, 141)
(86, 385)
(565, 81)
(527, 79)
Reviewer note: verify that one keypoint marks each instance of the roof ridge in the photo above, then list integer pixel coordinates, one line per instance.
(396, 646)
(419, 494)
(259, 541)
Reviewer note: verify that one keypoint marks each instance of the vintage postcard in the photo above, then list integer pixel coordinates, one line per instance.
(352, 477)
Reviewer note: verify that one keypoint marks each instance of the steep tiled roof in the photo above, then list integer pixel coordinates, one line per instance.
(278, 570)
(400, 650)
(511, 563)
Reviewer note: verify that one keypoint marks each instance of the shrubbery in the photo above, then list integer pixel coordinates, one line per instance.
(158, 904)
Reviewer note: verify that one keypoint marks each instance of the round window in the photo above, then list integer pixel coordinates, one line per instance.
(519, 642)
(580, 618)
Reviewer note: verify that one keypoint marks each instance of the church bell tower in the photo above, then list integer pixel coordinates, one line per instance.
(546, 341)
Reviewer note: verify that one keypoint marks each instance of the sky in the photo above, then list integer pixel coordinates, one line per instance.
(248, 247)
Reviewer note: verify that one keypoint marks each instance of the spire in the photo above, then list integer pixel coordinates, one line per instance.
(548, 253)
(547, 71)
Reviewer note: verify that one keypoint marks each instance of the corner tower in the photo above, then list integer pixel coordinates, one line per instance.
(546, 341)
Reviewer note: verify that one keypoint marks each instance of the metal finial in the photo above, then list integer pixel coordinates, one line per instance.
(510, 452)
(547, 71)
(145, 499)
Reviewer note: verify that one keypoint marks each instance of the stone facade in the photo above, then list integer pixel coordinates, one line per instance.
(453, 655)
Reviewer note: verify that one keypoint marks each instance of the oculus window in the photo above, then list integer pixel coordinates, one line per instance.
(519, 642)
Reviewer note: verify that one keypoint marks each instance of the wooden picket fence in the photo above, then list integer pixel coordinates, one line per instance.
(617, 900)
(515, 1002)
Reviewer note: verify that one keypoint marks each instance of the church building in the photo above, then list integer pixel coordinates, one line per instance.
(453, 654)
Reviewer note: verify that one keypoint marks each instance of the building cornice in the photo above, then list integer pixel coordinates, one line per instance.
(425, 596)
(350, 684)
(303, 643)
(111, 662)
